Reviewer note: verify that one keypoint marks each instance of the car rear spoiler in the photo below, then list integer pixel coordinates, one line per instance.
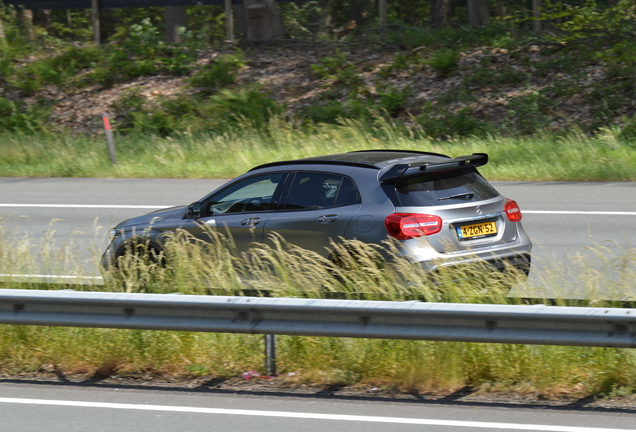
(392, 173)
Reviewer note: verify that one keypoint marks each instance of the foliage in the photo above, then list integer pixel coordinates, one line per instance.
(486, 76)
(18, 117)
(392, 100)
(338, 70)
(203, 114)
(441, 123)
(589, 24)
(303, 20)
(525, 113)
(444, 61)
(218, 73)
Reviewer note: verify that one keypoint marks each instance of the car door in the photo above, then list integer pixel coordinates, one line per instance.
(316, 208)
(240, 210)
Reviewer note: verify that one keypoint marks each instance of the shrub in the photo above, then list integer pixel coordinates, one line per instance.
(525, 113)
(487, 76)
(392, 100)
(438, 122)
(248, 103)
(218, 73)
(444, 61)
(17, 117)
(627, 133)
(338, 69)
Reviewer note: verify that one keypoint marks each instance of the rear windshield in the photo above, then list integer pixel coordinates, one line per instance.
(439, 188)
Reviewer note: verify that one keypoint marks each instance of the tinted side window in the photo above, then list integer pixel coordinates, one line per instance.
(348, 193)
(250, 195)
(436, 188)
(320, 190)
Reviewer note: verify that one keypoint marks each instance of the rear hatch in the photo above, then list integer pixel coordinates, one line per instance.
(472, 211)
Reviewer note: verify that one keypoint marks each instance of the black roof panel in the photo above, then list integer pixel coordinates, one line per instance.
(369, 158)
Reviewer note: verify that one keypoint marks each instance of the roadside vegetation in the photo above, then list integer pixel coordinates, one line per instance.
(278, 269)
(559, 98)
(552, 105)
(573, 157)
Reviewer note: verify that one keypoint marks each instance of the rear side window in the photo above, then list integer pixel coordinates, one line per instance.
(443, 188)
(320, 190)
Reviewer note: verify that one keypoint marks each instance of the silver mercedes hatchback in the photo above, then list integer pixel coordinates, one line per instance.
(440, 210)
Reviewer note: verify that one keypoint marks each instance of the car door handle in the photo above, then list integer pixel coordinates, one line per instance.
(327, 219)
(251, 221)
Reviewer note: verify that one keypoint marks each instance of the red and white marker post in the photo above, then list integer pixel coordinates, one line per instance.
(109, 139)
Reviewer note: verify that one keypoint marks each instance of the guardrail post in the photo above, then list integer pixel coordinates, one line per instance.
(270, 354)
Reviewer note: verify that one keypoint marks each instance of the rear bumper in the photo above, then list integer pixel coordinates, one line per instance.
(515, 254)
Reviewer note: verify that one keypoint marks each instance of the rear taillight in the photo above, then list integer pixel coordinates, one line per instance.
(404, 226)
(512, 211)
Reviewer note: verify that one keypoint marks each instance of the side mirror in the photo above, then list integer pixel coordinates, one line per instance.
(194, 210)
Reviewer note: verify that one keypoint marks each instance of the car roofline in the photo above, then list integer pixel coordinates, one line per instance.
(315, 162)
(318, 161)
(401, 151)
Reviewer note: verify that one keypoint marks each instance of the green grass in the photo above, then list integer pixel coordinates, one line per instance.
(609, 156)
(282, 270)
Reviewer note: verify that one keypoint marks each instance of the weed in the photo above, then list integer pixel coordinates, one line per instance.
(247, 103)
(218, 73)
(441, 123)
(444, 61)
(525, 113)
(487, 76)
(18, 117)
(339, 70)
(400, 63)
(392, 100)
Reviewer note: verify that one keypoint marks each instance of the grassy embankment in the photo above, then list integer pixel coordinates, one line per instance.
(572, 157)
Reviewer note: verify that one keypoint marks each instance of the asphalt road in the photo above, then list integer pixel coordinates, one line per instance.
(71, 408)
(562, 218)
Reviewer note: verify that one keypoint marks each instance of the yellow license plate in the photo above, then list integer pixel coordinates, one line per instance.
(480, 230)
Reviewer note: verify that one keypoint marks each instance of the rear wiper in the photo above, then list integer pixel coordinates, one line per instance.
(467, 195)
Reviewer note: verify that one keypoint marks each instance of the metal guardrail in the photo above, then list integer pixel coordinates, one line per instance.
(537, 324)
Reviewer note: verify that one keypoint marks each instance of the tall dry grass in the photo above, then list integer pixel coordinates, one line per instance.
(280, 269)
(579, 157)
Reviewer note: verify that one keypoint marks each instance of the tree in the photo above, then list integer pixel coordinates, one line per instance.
(478, 13)
(175, 17)
(2, 36)
(440, 13)
(263, 20)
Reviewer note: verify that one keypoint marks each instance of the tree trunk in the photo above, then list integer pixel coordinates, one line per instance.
(360, 10)
(440, 13)
(97, 38)
(43, 17)
(500, 7)
(536, 12)
(478, 13)
(229, 21)
(26, 22)
(174, 18)
(3, 39)
(263, 20)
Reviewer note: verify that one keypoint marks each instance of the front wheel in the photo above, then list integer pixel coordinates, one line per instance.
(139, 265)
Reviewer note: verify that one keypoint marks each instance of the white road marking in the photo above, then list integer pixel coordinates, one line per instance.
(49, 276)
(569, 212)
(107, 206)
(118, 206)
(310, 416)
